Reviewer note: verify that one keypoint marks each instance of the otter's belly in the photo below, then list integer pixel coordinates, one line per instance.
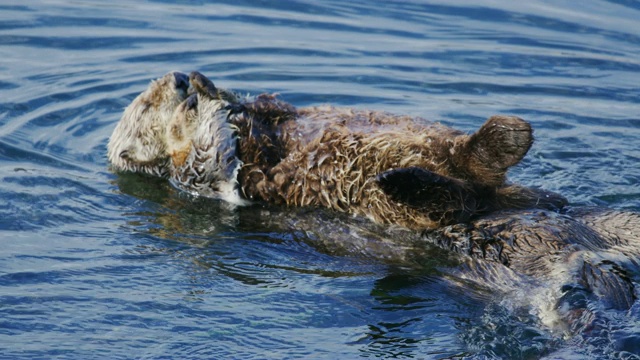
(334, 164)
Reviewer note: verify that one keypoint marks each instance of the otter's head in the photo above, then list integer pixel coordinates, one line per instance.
(201, 143)
(138, 142)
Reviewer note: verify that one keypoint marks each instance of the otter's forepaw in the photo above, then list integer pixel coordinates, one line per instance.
(202, 85)
(181, 81)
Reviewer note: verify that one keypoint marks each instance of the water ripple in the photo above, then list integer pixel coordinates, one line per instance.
(96, 264)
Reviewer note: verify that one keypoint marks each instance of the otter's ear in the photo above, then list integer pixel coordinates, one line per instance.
(499, 144)
(424, 189)
(202, 85)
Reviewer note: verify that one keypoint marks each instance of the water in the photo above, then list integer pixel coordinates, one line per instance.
(95, 265)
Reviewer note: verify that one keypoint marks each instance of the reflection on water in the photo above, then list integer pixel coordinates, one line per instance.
(99, 265)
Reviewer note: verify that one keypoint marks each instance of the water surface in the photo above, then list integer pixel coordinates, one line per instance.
(96, 265)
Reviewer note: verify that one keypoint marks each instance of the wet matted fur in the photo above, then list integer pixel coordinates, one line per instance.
(392, 169)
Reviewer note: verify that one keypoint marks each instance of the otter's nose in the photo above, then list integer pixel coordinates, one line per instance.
(182, 81)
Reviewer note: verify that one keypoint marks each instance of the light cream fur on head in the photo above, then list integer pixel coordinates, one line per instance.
(188, 139)
(202, 146)
(138, 143)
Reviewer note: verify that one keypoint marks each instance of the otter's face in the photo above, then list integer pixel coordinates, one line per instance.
(138, 142)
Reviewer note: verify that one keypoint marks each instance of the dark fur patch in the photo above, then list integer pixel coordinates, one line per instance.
(422, 189)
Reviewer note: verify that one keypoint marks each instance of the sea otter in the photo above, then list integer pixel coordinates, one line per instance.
(392, 169)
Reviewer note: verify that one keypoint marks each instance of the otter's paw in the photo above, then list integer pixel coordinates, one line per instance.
(499, 144)
(202, 85)
(445, 199)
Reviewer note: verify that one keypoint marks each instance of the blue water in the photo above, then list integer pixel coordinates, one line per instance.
(95, 265)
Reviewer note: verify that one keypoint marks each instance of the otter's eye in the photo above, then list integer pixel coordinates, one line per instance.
(124, 155)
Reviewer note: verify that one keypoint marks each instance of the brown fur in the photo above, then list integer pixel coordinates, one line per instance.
(392, 169)
(332, 157)
(586, 251)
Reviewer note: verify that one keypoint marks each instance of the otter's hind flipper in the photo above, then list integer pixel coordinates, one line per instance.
(487, 154)
(444, 198)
